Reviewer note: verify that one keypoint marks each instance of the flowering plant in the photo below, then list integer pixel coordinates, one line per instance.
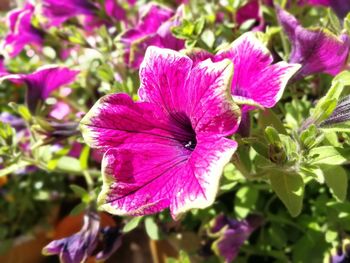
(225, 123)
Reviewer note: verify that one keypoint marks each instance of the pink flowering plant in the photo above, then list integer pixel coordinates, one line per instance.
(216, 129)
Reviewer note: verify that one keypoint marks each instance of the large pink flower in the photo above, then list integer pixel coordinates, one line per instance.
(167, 150)
(256, 79)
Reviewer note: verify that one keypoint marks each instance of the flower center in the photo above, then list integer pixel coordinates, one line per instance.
(184, 132)
(191, 145)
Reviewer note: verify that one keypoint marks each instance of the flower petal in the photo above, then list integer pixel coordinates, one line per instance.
(60, 11)
(198, 184)
(318, 50)
(42, 82)
(201, 93)
(21, 31)
(113, 9)
(163, 74)
(78, 247)
(254, 76)
(151, 177)
(140, 180)
(152, 16)
(208, 100)
(198, 55)
(116, 119)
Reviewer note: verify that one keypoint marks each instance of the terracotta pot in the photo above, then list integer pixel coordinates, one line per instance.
(26, 249)
(163, 249)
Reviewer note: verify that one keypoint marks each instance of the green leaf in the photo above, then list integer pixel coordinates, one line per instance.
(312, 171)
(14, 167)
(22, 110)
(78, 190)
(132, 224)
(337, 127)
(347, 23)
(329, 155)
(208, 38)
(105, 73)
(272, 135)
(327, 104)
(337, 180)
(289, 187)
(333, 21)
(84, 157)
(268, 118)
(183, 258)
(152, 228)
(69, 164)
(78, 209)
(199, 26)
(245, 201)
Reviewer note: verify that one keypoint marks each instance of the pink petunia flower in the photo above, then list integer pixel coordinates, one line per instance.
(256, 79)
(167, 150)
(233, 234)
(153, 28)
(251, 11)
(42, 82)
(317, 50)
(59, 11)
(21, 31)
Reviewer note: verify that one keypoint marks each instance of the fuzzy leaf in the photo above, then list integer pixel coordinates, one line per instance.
(289, 187)
(337, 180)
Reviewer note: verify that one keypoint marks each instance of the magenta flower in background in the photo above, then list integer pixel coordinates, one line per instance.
(91, 240)
(153, 28)
(233, 234)
(114, 10)
(21, 31)
(167, 150)
(251, 11)
(58, 12)
(317, 50)
(60, 110)
(256, 79)
(340, 7)
(41, 83)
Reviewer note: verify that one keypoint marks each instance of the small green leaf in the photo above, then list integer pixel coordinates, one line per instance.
(132, 224)
(329, 155)
(245, 201)
(337, 180)
(14, 167)
(78, 190)
(289, 187)
(208, 38)
(268, 118)
(78, 209)
(84, 157)
(151, 228)
(347, 23)
(69, 164)
(272, 135)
